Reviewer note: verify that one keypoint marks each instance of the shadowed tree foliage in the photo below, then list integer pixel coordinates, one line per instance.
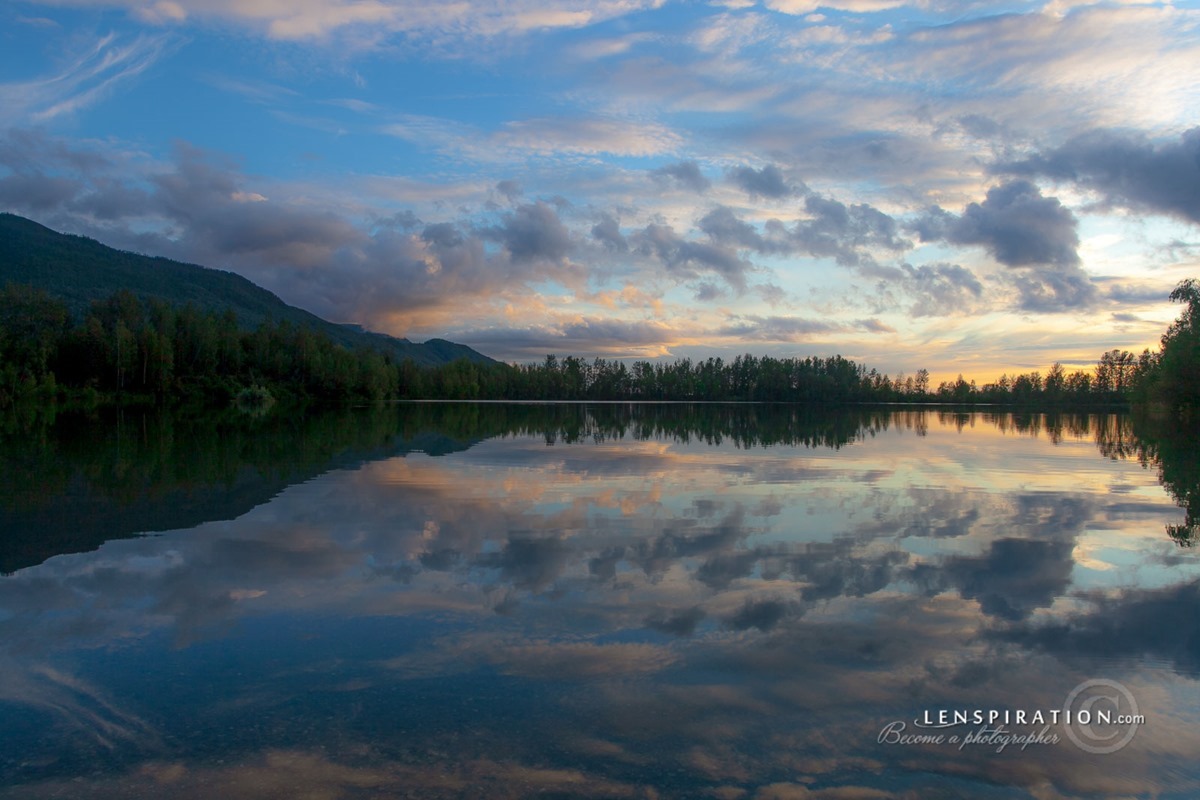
(1170, 378)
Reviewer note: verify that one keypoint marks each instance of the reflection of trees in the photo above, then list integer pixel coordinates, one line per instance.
(1107, 429)
(1170, 444)
(741, 424)
(70, 483)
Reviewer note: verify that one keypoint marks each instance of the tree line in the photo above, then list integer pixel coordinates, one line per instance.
(126, 347)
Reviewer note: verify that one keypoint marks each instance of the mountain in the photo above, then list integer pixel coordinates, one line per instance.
(80, 270)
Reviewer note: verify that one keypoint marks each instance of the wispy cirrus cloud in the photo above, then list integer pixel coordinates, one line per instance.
(438, 23)
(107, 63)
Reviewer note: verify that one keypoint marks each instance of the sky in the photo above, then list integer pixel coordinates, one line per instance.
(971, 188)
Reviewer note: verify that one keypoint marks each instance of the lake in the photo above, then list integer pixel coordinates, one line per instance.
(602, 600)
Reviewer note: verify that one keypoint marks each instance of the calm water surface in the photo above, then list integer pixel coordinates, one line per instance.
(596, 601)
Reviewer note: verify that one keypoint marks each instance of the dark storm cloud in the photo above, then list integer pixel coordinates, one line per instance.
(723, 569)
(685, 173)
(204, 197)
(441, 560)
(1015, 223)
(1024, 230)
(681, 539)
(688, 259)
(767, 182)
(1130, 171)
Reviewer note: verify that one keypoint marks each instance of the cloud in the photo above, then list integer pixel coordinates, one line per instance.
(1011, 580)
(1015, 223)
(797, 7)
(35, 191)
(509, 189)
(449, 25)
(685, 173)
(195, 208)
(832, 230)
(533, 232)
(1138, 625)
(682, 622)
(1046, 291)
(108, 63)
(776, 329)
(547, 137)
(723, 225)
(1022, 229)
(767, 182)
(760, 614)
(608, 232)
(586, 336)
(1127, 170)
(529, 562)
(687, 259)
(935, 289)
(840, 231)
(587, 135)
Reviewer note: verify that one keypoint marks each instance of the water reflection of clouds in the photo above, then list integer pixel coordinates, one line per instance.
(329, 540)
(749, 618)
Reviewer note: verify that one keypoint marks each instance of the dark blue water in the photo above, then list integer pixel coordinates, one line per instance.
(577, 606)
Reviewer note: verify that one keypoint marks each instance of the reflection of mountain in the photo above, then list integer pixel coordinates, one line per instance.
(70, 485)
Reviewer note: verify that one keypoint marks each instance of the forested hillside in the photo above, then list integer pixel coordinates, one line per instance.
(81, 271)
